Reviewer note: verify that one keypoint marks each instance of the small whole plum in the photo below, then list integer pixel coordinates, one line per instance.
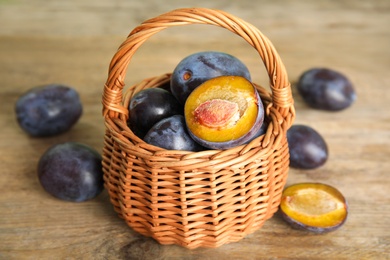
(149, 106)
(48, 110)
(326, 89)
(308, 149)
(171, 134)
(71, 171)
(201, 66)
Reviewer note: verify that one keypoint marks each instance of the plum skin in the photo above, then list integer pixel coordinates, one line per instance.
(318, 230)
(326, 89)
(71, 171)
(48, 110)
(196, 68)
(171, 134)
(308, 149)
(148, 107)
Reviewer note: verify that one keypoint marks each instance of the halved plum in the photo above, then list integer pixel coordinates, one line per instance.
(224, 112)
(315, 207)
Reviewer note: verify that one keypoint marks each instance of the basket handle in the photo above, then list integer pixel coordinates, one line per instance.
(282, 99)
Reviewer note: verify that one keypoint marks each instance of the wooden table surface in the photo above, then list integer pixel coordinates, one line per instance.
(72, 42)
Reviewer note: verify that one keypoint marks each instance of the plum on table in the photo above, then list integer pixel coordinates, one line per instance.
(326, 89)
(314, 207)
(71, 171)
(48, 110)
(308, 149)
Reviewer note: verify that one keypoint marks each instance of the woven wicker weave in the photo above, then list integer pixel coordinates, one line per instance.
(195, 199)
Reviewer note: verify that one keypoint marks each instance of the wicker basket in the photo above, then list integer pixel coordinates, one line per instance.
(195, 199)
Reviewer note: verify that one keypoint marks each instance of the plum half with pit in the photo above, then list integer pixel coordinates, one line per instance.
(326, 89)
(201, 66)
(224, 112)
(149, 106)
(314, 207)
(171, 134)
(48, 110)
(308, 149)
(71, 171)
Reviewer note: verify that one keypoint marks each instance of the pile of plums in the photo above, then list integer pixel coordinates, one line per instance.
(211, 104)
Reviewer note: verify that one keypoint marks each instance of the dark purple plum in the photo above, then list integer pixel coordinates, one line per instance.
(48, 110)
(148, 107)
(166, 86)
(326, 89)
(308, 149)
(171, 134)
(71, 171)
(201, 66)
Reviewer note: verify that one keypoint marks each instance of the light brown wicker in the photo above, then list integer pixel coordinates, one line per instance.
(195, 199)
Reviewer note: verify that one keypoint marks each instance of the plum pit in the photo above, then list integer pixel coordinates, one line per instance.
(217, 113)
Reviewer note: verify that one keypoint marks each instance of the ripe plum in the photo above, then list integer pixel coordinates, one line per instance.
(149, 106)
(224, 112)
(314, 207)
(201, 66)
(171, 134)
(326, 89)
(308, 149)
(48, 110)
(71, 171)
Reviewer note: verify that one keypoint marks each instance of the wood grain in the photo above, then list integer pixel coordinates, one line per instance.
(72, 43)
